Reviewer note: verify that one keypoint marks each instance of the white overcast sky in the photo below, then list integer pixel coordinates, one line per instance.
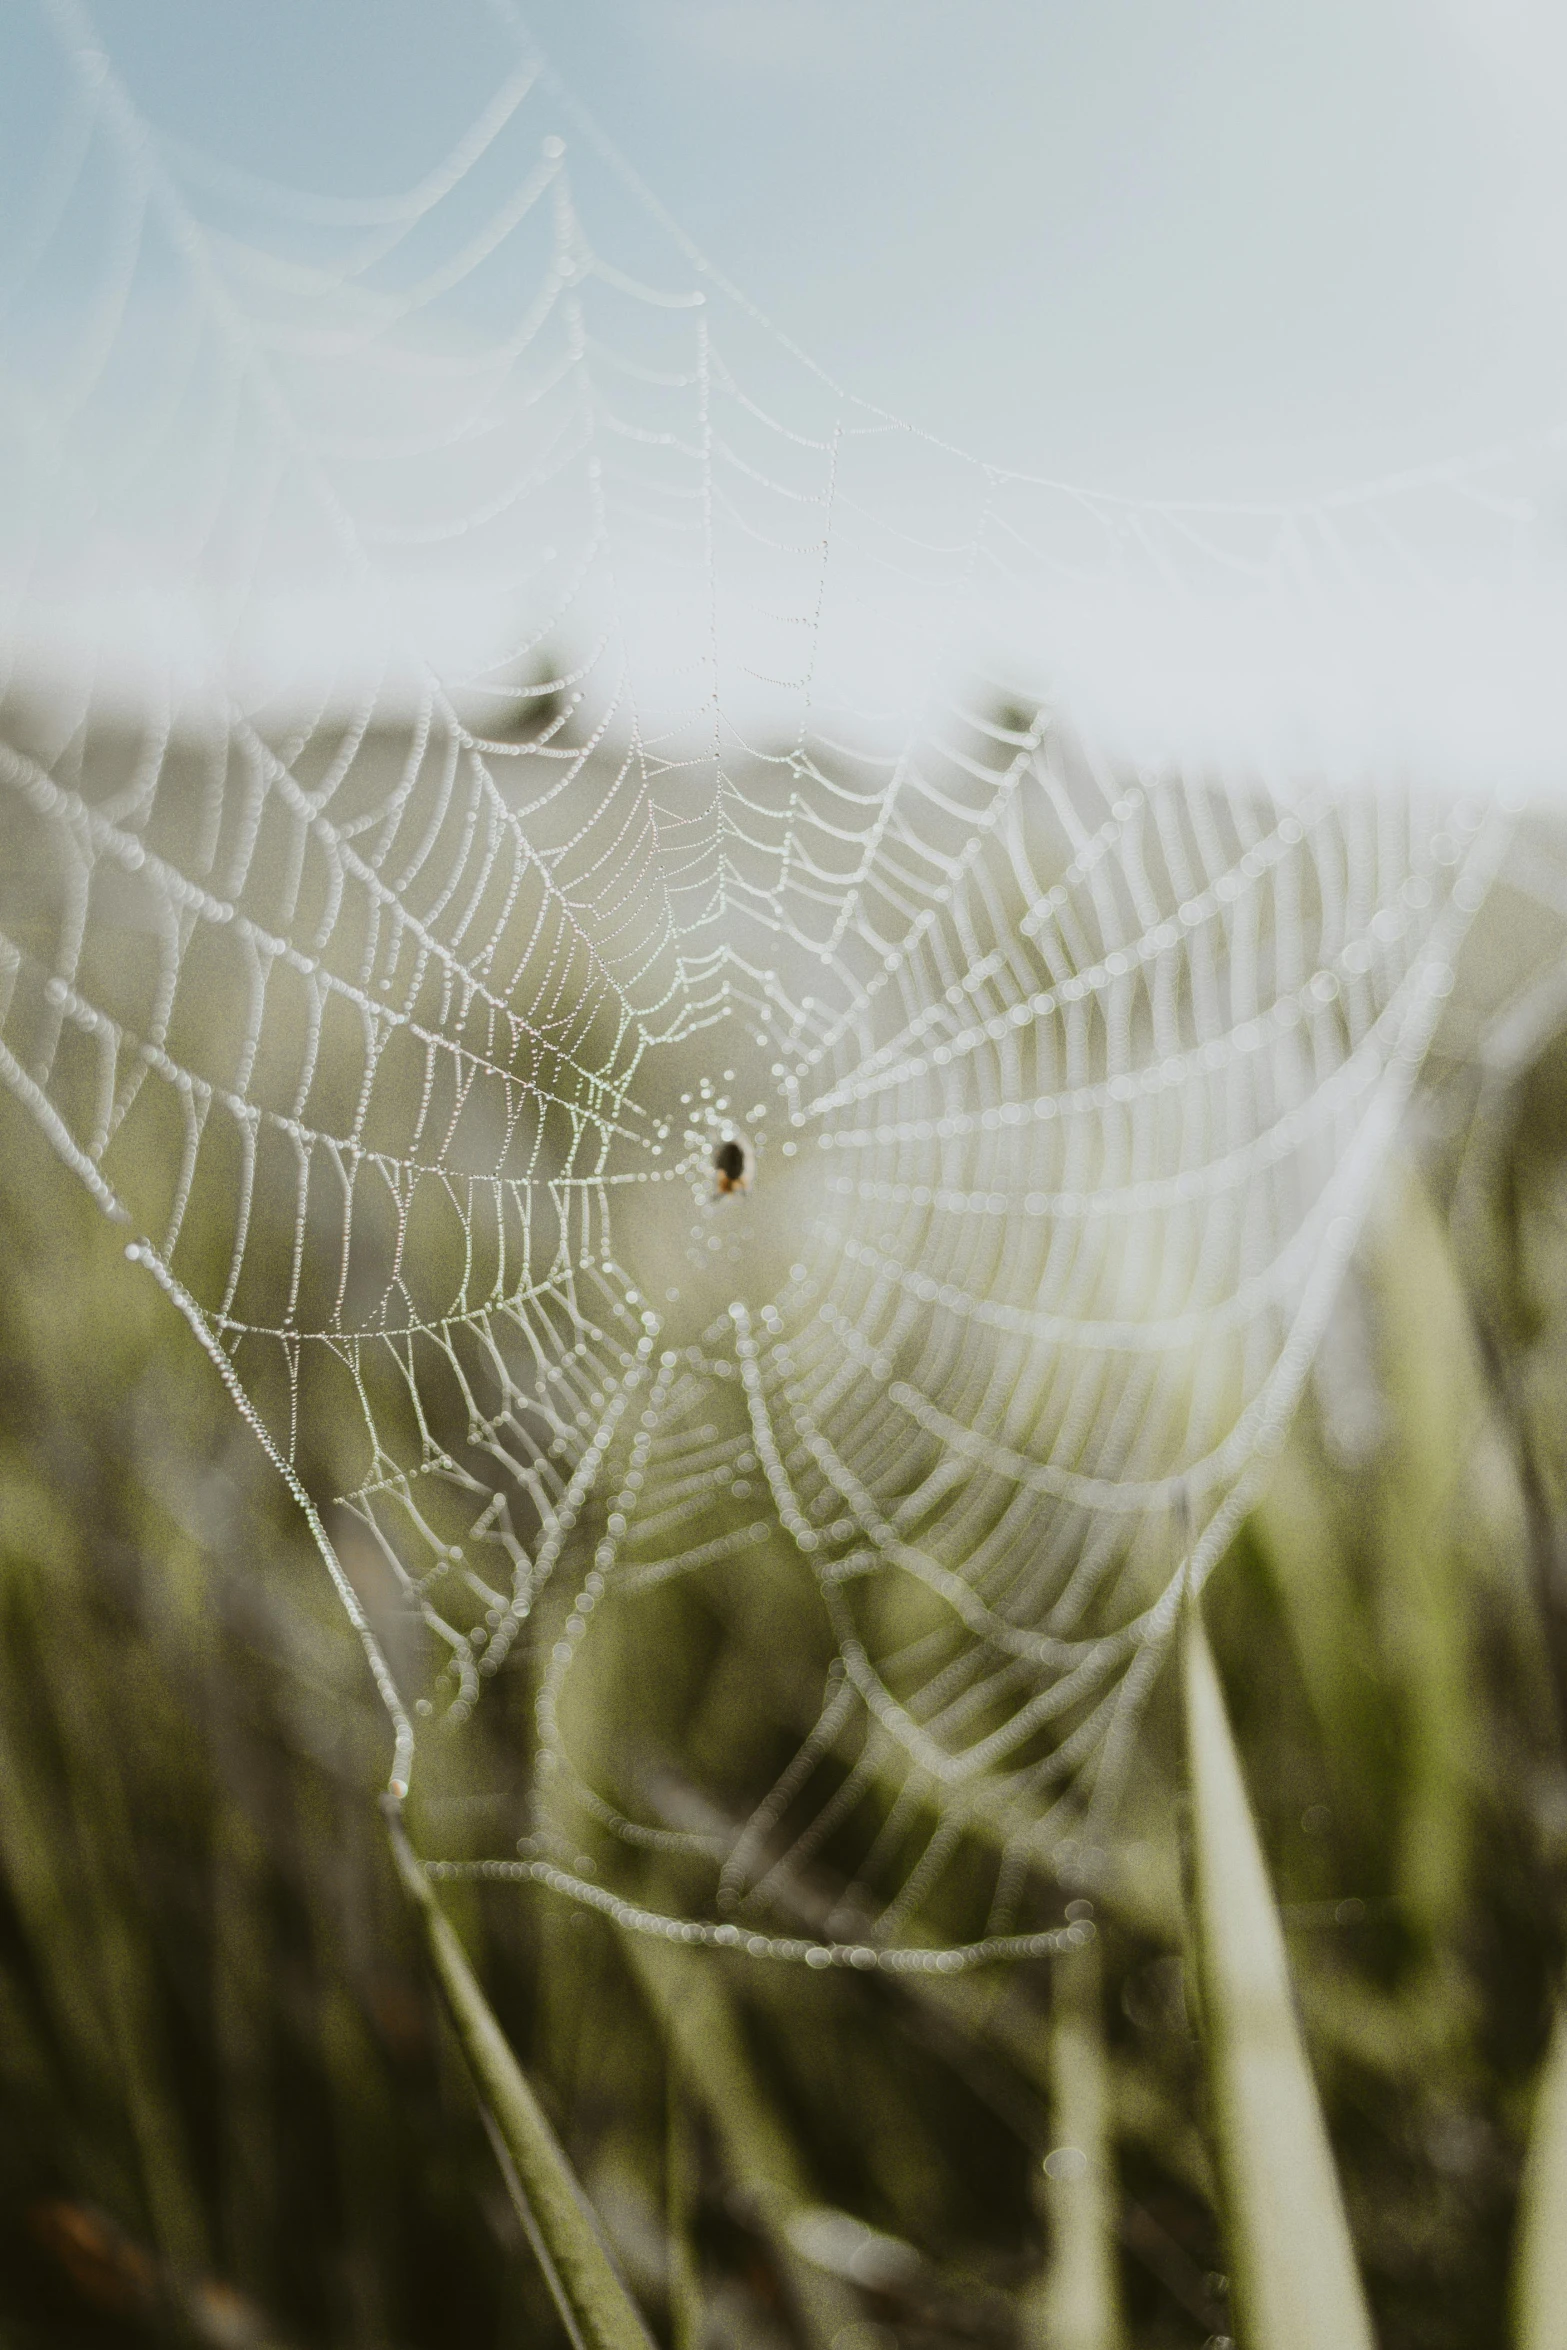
(1225, 250)
(1227, 247)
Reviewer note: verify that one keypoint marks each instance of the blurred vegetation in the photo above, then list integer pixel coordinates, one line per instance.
(234, 2116)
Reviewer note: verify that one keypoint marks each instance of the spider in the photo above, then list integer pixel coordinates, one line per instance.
(731, 1167)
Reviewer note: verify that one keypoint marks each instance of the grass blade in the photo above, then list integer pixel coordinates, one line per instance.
(1292, 2265)
(595, 2307)
(1540, 2274)
(698, 2022)
(680, 2198)
(1078, 2306)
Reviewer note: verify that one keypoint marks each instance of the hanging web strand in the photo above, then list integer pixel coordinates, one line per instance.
(681, 1079)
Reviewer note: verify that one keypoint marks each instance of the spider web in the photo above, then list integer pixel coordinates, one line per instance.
(488, 723)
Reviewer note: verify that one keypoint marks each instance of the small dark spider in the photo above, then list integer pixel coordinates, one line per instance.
(731, 1167)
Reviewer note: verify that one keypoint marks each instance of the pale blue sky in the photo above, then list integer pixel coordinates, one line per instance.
(1228, 247)
(1232, 251)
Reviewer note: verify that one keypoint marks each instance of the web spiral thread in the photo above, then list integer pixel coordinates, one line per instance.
(467, 760)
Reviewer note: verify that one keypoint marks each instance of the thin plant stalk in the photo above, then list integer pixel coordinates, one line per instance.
(1078, 2305)
(699, 2023)
(1540, 2270)
(1292, 2265)
(595, 2308)
(680, 2184)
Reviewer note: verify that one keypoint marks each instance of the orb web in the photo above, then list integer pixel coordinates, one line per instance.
(713, 1120)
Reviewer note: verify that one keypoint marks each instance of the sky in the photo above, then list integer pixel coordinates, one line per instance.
(1232, 251)
(1232, 248)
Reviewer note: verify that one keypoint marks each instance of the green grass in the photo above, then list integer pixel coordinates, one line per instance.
(234, 2105)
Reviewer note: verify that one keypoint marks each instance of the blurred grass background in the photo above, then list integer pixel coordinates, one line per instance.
(232, 2113)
